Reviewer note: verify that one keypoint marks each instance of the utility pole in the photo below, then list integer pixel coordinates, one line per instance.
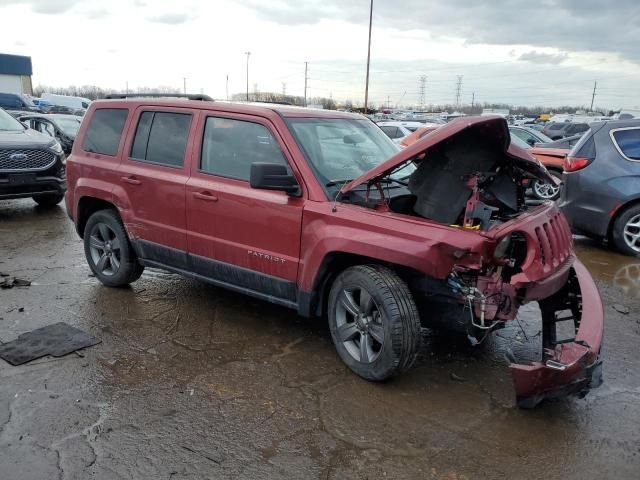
(423, 88)
(248, 54)
(227, 88)
(306, 78)
(473, 99)
(184, 85)
(388, 101)
(366, 87)
(593, 95)
(458, 90)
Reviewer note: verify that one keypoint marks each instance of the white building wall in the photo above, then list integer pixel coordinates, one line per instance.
(11, 84)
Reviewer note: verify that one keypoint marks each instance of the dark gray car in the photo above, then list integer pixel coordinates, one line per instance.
(31, 164)
(601, 193)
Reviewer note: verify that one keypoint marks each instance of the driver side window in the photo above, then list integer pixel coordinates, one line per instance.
(229, 147)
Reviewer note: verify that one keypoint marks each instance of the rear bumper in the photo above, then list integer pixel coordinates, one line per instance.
(566, 368)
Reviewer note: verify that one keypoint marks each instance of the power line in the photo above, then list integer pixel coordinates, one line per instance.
(458, 90)
(306, 79)
(423, 87)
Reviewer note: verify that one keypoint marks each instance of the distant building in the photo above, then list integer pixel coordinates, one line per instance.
(15, 74)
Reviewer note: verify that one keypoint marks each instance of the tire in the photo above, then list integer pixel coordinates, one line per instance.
(108, 250)
(545, 191)
(626, 231)
(389, 323)
(48, 200)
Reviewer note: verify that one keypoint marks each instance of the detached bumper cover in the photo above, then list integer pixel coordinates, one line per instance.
(567, 368)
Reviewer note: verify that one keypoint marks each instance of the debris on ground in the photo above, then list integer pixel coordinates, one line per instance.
(621, 309)
(8, 281)
(457, 378)
(56, 340)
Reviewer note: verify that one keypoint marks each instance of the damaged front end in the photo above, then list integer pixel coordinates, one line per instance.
(470, 178)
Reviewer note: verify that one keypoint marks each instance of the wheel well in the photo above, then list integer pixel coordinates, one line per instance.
(332, 265)
(87, 207)
(621, 209)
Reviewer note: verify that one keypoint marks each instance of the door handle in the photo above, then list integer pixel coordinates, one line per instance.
(131, 180)
(206, 196)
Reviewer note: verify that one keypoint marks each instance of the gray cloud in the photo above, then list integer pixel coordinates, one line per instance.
(574, 25)
(170, 18)
(544, 58)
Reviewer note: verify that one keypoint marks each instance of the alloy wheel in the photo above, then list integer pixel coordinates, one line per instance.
(104, 247)
(359, 324)
(546, 191)
(631, 233)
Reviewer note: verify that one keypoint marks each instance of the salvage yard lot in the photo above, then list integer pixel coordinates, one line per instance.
(191, 381)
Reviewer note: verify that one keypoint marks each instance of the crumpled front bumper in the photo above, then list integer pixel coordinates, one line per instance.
(567, 368)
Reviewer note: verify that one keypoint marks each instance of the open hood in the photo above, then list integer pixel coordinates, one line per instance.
(494, 131)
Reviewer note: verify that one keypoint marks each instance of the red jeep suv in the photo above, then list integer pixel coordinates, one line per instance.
(319, 211)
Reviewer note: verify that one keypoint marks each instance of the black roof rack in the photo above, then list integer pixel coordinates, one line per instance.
(190, 96)
(275, 102)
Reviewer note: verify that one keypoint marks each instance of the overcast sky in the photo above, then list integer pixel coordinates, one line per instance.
(525, 52)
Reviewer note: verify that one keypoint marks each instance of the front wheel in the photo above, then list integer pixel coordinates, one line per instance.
(374, 322)
(108, 251)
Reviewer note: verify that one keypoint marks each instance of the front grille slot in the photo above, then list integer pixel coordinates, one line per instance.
(27, 159)
(554, 241)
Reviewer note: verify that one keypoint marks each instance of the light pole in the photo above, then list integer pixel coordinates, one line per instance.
(248, 54)
(366, 88)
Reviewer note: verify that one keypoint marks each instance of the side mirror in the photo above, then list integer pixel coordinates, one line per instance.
(531, 142)
(273, 176)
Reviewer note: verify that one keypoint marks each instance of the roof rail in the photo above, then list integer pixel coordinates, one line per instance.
(274, 102)
(190, 96)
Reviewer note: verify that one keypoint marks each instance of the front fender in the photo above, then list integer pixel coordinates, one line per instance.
(428, 248)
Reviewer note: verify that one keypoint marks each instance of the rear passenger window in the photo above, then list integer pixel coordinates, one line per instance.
(161, 137)
(629, 142)
(229, 147)
(104, 131)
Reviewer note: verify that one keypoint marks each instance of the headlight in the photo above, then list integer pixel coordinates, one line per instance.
(502, 249)
(55, 147)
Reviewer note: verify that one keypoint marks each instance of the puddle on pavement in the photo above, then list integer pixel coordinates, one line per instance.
(618, 270)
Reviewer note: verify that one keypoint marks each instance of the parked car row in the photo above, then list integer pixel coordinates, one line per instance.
(49, 103)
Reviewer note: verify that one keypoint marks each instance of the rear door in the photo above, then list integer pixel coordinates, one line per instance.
(237, 235)
(153, 174)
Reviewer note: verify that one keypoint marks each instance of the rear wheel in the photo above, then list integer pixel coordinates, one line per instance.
(108, 250)
(626, 231)
(374, 322)
(48, 199)
(545, 190)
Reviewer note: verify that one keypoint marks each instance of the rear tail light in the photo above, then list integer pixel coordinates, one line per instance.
(573, 164)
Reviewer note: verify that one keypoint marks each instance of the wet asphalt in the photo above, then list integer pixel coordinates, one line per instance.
(191, 381)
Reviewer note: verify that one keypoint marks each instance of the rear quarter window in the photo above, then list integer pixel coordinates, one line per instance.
(628, 142)
(105, 131)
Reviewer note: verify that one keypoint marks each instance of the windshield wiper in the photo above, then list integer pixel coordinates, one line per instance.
(333, 183)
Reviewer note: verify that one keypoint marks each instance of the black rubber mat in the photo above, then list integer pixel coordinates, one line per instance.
(57, 340)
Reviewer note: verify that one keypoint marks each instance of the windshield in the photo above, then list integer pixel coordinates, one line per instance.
(69, 125)
(8, 123)
(340, 149)
(519, 142)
